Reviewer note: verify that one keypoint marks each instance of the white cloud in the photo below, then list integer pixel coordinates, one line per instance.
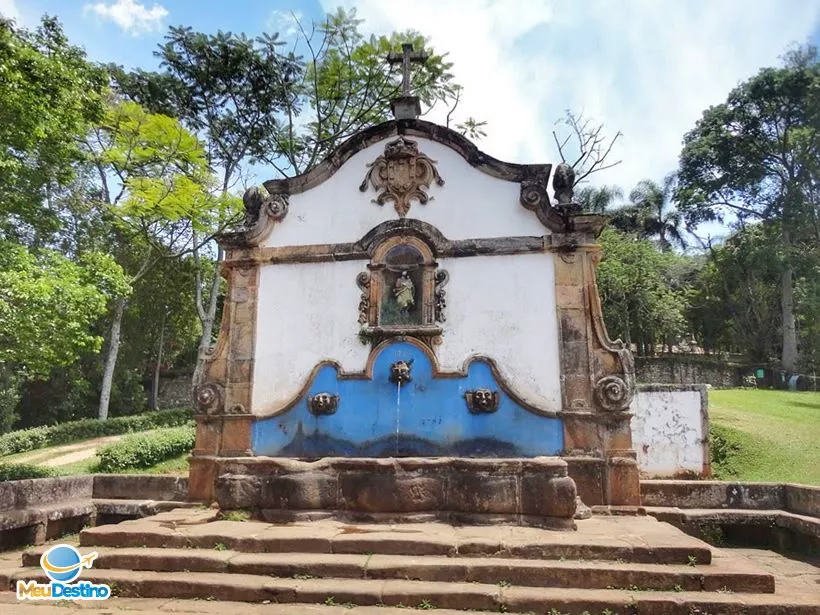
(286, 23)
(133, 17)
(647, 68)
(9, 10)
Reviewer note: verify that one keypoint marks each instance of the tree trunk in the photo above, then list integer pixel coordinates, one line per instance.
(155, 382)
(208, 321)
(789, 357)
(111, 359)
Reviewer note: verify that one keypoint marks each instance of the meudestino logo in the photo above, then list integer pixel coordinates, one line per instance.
(63, 565)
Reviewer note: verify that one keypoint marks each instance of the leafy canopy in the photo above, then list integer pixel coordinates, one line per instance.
(50, 97)
(283, 102)
(48, 305)
(756, 154)
(155, 177)
(643, 299)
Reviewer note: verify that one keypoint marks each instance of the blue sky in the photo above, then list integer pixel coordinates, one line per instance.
(645, 67)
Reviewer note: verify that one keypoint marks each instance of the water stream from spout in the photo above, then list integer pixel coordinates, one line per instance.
(398, 411)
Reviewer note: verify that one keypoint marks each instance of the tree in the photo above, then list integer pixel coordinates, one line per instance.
(598, 199)
(347, 85)
(652, 214)
(755, 156)
(48, 306)
(154, 184)
(585, 146)
(735, 304)
(51, 95)
(641, 302)
(251, 102)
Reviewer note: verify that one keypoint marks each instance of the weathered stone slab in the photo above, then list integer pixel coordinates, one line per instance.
(140, 487)
(39, 491)
(712, 494)
(802, 499)
(496, 490)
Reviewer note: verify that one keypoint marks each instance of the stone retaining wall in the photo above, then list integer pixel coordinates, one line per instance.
(688, 369)
(140, 487)
(784, 517)
(799, 499)
(35, 510)
(174, 390)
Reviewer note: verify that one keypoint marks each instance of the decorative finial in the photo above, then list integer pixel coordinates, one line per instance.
(406, 106)
(563, 182)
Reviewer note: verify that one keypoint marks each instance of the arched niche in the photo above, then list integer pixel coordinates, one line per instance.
(402, 292)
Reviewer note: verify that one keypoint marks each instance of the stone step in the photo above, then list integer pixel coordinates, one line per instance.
(720, 576)
(634, 540)
(430, 595)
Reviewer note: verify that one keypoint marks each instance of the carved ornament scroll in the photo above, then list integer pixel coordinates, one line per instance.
(402, 174)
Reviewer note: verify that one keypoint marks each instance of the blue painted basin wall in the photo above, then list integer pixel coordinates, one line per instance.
(427, 417)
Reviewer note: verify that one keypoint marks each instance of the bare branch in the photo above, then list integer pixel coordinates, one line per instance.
(593, 148)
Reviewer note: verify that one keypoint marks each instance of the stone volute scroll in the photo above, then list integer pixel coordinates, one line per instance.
(262, 209)
(401, 175)
(209, 398)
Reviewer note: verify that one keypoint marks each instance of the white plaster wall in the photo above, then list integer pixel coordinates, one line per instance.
(307, 313)
(668, 430)
(470, 205)
(504, 307)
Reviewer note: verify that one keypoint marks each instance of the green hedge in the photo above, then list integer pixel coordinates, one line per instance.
(146, 449)
(19, 471)
(39, 437)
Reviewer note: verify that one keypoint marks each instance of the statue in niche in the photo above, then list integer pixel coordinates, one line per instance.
(404, 292)
(402, 280)
(399, 305)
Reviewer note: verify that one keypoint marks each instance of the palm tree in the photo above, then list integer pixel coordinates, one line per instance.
(651, 213)
(597, 200)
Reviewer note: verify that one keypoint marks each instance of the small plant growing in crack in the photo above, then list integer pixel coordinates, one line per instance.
(503, 583)
(220, 547)
(692, 560)
(236, 515)
(426, 605)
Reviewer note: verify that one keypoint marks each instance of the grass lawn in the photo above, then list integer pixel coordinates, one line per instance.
(176, 465)
(769, 435)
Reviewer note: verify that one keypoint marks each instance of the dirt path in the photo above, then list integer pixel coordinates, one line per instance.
(68, 453)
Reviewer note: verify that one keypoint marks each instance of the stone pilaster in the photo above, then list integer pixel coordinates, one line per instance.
(597, 378)
(223, 399)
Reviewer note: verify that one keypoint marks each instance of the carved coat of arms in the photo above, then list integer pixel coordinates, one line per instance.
(402, 174)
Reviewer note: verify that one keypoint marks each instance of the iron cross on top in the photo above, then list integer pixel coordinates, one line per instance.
(406, 56)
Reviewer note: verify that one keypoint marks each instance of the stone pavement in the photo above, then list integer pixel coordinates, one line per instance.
(629, 565)
(791, 576)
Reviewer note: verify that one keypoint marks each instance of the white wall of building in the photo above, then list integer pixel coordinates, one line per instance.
(307, 313)
(670, 429)
(502, 307)
(470, 204)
